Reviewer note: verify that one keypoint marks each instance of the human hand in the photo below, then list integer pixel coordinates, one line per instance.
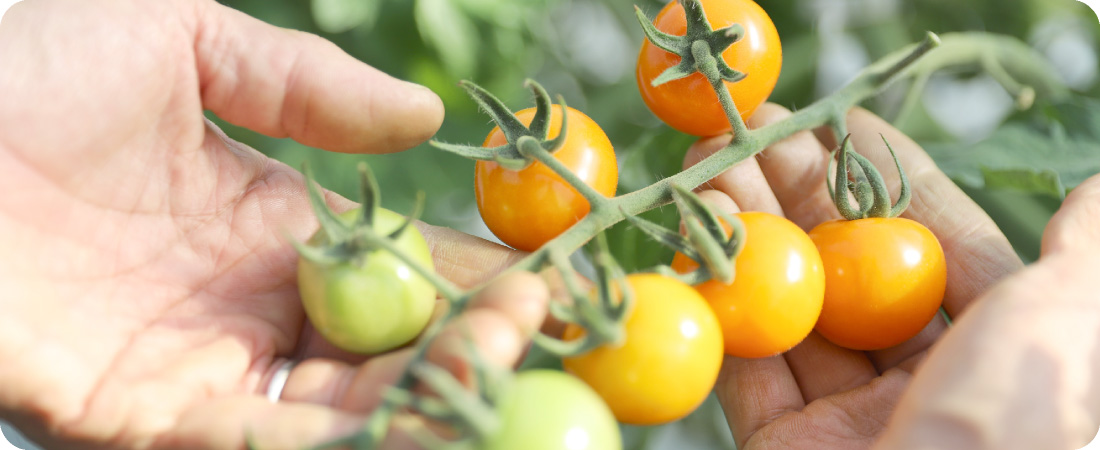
(1019, 369)
(149, 292)
(819, 395)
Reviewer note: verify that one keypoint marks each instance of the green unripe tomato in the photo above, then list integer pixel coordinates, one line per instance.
(552, 410)
(375, 307)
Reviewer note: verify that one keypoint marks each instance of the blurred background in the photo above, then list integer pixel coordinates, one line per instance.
(1016, 164)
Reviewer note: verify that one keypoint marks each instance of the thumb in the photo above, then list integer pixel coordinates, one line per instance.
(1074, 226)
(282, 82)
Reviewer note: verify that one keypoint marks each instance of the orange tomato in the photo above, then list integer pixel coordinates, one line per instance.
(777, 293)
(884, 280)
(669, 361)
(690, 104)
(527, 208)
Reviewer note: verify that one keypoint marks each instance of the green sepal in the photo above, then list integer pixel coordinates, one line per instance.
(906, 194)
(501, 115)
(664, 41)
(429, 407)
(563, 312)
(335, 228)
(869, 187)
(663, 236)
(418, 210)
(566, 349)
(699, 35)
(470, 410)
(510, 155)
(540, 123)
(602, 318)
(369, 195)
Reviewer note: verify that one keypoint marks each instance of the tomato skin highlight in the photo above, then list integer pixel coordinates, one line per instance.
(551, 410)
(669, 361)
(372, 308)
(884, 281)
(690, 104)
(527, 208)
(777, 293)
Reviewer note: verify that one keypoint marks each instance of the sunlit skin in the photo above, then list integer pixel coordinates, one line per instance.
(527, 208)
(884, 280)
(669, 361)
(690, 104)
(776, 295)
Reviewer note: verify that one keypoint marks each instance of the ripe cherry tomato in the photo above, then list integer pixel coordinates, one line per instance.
(884, 280)
(551, 410)
(690, 104)
(525, 209)
(669, 362)
(373, 307)
(776, 295)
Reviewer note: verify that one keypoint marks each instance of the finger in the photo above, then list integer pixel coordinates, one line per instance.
(978, 254)
(821, 368)
(231, 422)
(744, 183)
(466, 260)
(755, 392)
(1073, 228)
(1016, 371)
(499, 322)
(795, 169)
(752, 392)
(852, 419)
(282, 82)
(906, 352)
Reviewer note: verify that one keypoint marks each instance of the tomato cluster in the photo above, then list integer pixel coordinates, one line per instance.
(863, 284)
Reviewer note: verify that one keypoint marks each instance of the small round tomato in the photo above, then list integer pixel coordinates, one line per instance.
(373, 307)
(690, 104)
(777, 291)
(527, 208)
(884, 280)
(551, 410)
(669, 361)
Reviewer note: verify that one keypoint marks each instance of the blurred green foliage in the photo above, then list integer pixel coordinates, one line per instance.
(585, 50)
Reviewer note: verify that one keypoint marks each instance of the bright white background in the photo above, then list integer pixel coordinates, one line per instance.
(9, 433)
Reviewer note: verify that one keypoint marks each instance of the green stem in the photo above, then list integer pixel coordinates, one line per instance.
(708, 66)
(530, 147)
(445, 288)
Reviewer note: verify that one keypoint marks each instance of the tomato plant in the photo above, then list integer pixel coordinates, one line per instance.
(669, 360)
(376, 304)
(884, 280)
(527, 208)
(551, 410)
(776, 296)
(690, 104)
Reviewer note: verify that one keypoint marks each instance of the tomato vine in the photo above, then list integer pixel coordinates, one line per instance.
(1016, 66)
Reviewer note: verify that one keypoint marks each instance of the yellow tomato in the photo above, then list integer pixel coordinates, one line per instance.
(669, 361)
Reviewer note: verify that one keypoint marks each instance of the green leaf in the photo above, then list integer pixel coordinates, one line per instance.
(1051, 154)
(452, 34)
(338, 16)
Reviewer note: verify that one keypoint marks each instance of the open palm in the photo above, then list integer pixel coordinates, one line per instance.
(149, 287)
(818, 395)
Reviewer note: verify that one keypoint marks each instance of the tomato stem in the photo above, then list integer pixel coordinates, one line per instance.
(529, 147)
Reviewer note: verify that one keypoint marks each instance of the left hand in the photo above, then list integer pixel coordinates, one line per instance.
(148, 290)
